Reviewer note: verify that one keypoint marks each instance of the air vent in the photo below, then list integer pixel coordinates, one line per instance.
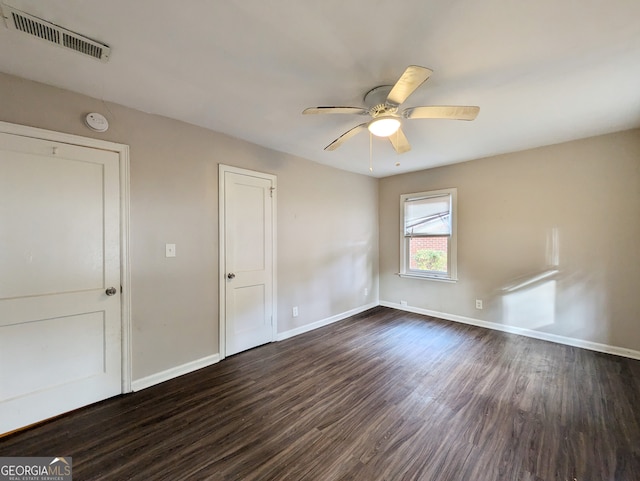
(15, 19)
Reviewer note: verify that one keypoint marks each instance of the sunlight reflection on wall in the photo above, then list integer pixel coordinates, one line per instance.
(530, 301)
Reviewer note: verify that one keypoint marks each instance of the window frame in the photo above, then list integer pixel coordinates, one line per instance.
(452, 244)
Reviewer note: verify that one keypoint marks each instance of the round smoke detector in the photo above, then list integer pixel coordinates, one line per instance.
(96, 122)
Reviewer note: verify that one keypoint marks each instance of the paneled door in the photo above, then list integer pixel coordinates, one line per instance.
(247, 217)
(60, 312)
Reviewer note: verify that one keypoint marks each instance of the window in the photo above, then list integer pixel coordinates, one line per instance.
(428, 235)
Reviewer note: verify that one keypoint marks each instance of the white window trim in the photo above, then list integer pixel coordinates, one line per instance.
(453, 243)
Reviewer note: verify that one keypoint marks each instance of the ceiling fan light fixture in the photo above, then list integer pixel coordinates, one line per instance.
(384, 126)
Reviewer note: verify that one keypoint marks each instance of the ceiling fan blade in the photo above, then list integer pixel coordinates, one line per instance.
(411, 79)
(400, 142)
(346, 136)
(453, 112)
(335, 110)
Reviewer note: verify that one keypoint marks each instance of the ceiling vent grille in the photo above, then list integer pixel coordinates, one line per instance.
(24, 22)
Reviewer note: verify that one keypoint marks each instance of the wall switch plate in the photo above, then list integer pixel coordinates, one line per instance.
(295, 311)
(478, 303)
(170, 250)
(366, 291)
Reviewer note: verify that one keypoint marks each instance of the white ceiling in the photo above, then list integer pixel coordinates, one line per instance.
(542, 71)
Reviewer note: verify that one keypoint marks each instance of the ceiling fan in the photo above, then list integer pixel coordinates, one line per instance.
(383, 103)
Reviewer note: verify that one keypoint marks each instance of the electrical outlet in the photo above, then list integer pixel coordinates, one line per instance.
(295, 311)
(170, 250)
(478, 303)
(403, 303)
(366, 291)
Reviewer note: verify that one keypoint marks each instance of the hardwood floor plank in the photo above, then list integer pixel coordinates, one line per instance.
(382, 396)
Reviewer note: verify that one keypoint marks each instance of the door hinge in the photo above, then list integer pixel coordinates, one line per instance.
(271, 189)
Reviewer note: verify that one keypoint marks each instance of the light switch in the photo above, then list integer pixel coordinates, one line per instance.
(170, 250)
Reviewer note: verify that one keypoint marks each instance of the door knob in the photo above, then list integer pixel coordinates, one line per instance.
(111, 291)
(231, 275)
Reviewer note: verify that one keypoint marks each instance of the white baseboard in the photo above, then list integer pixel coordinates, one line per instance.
(324, 322)
(545, 336)
(173, 372)
(157, 378)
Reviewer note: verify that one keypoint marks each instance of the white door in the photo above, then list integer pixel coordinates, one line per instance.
(60, 326)
(247, 273)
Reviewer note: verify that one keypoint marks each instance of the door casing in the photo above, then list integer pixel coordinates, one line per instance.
(125, 275)
(222, 169)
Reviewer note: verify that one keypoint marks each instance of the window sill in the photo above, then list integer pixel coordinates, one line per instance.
(450, 280)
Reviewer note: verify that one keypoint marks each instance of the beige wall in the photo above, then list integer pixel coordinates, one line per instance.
(588, 190)
(327, 223)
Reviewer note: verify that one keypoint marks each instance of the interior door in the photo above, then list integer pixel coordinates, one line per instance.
(60, 313)
(248, 268)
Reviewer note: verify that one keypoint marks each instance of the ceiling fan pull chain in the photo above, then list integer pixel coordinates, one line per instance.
(370, 152)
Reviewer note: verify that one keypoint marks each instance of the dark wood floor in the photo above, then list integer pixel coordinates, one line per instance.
(385, 395)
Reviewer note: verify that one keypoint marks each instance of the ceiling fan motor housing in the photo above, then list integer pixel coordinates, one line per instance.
(377, 95)
(376, 100)
(381, 109)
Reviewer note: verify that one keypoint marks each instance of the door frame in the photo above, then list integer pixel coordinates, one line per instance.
(222, 169)
(125, 269)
